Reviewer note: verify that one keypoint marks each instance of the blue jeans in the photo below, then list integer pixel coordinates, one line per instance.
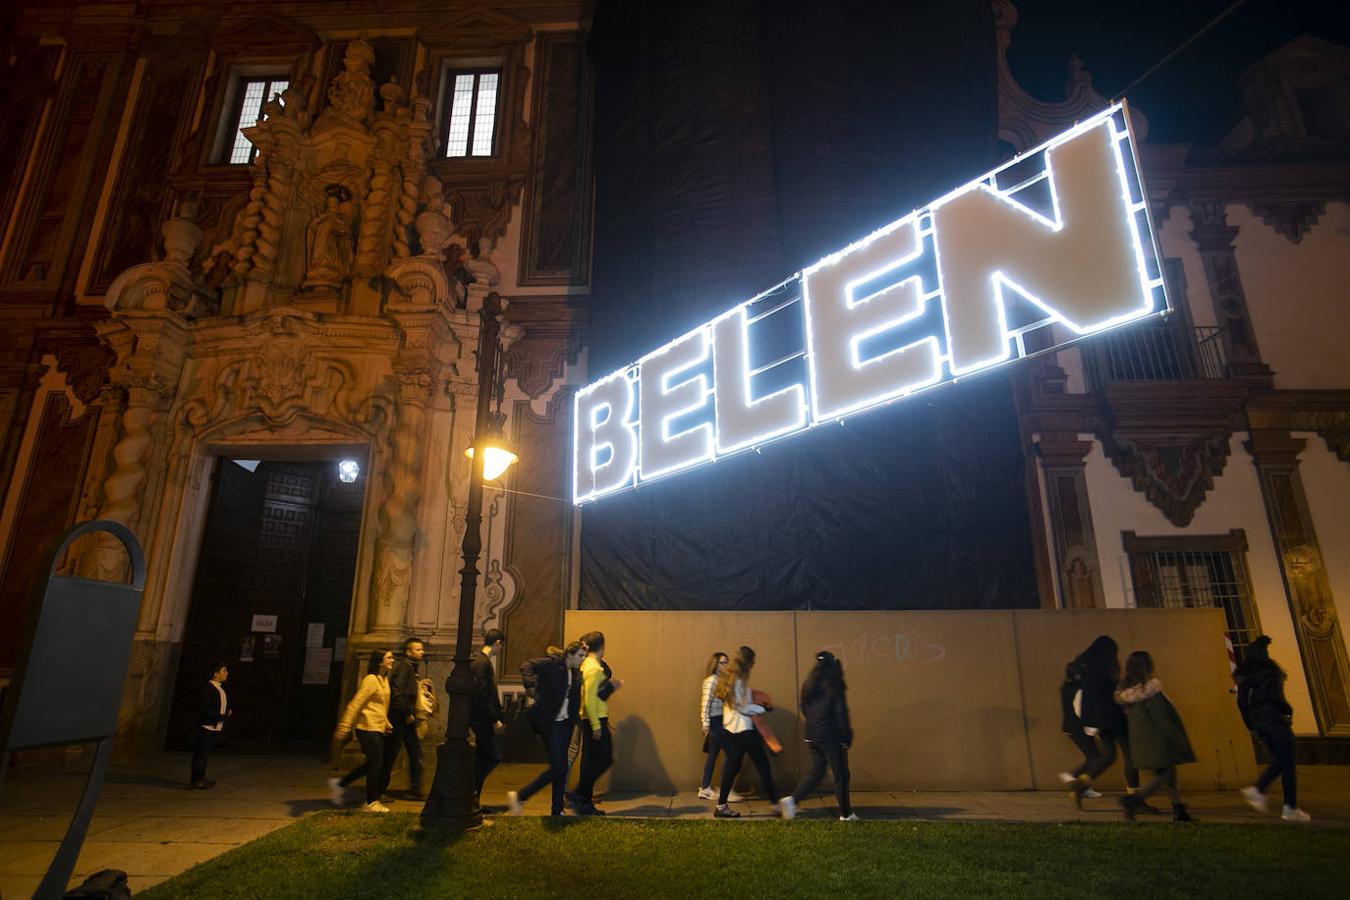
(1279, 740)
(556, 738)
(716, 745)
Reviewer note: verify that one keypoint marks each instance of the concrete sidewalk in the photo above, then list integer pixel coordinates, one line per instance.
(148, 824)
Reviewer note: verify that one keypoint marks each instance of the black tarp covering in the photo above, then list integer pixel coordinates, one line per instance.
(737, 142)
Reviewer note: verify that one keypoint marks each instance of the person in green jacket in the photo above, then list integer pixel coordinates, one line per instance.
(1157, 738)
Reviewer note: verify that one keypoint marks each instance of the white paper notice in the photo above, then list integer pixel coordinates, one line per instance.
(314, 635)
(340, 648)
(318, 665)
(266, 624)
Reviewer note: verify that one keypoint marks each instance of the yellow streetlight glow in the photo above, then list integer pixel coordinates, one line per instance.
(497, 460)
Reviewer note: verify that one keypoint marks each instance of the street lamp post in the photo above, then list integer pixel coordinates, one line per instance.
(453, 800)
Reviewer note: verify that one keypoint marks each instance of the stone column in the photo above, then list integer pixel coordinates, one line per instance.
(1076, 566)
(1213, 237)
(1321, 643)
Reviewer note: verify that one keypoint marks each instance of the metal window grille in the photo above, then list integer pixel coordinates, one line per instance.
(1199, 578)
(250, 96)
(472, 118)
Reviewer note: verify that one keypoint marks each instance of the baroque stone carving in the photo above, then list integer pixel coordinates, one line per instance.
(1174, 476)
(352, 93)
(168, 284)
(329, 242)
(1291, 219)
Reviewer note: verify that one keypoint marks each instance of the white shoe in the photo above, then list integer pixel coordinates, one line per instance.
(851, 817)
(375, 806)
(1066, 777)
(734, 797)
(1255, 799)
(337, 794)
(513, 803)
(707, 793)
(1293, 814)
(1090, 794)
(788, 807)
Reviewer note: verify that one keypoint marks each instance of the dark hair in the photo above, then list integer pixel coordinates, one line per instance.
(826, 678)
(1138, 669)
(1104, 647)
(410, 640)
(572, 648)
(594, 640)
(712, 662)
(493, 636)
(217, 666)
(376, 660)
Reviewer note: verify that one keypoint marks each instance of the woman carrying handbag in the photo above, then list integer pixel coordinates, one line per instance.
(367, 715)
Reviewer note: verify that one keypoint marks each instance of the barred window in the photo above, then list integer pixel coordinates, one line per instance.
(471, 112)
(249, 96)
(1187, 571)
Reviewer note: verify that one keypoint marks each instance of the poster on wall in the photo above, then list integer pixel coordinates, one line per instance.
(340, 649)
(318, 665)
(246, 650)
(314, 635)
(271, 648)
(265, 624)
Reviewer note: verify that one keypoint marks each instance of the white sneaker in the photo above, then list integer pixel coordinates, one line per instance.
(337, 794)
(1066, 777)
(1255, 799)
(375, 806)
(788, 807)
(734, 797)
(1293, 814)
(513, 803)
(1090, 794)
(851, 817)
(707, 793)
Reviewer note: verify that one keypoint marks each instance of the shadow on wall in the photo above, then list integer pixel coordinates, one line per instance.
(637, 759)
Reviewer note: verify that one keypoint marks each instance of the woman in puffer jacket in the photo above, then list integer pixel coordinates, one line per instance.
(1157, 738)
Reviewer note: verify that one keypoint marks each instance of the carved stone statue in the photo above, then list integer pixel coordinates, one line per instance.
(352, 92)
(330, 244)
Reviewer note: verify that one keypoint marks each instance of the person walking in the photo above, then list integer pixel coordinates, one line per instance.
(552, 681)
(597, 748)
(368, 716)
(1266, 712)
(1071, 723)
(485, 714)
(404, 685)
(710, 716)
(1096, 672)
(829, 734)
(1158, 740)
(738, 710)
(211, 715)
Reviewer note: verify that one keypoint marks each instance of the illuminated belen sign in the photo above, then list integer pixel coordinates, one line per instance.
(1056, 237)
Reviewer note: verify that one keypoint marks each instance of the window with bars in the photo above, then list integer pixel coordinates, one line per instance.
(471, 112)
(250, 94)
(1189, 571)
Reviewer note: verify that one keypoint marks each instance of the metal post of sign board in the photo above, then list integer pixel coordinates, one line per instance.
(67, 686)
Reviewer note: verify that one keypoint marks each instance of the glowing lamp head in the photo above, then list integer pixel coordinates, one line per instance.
(497, 458)
(348, 471)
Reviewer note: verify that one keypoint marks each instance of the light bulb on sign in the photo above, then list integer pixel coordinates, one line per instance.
(348, 471)
(496, 460)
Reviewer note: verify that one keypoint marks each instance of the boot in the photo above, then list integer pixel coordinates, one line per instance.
(1129, 806)
(1077, 788)
(1179, 813)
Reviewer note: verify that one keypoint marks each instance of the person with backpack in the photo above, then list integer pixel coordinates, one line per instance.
(829, 734)
(553, 683)
(368, 716)
(1268, 715)
(738, 712)
(597, 743)
(405, 686)
(485, 715)
(1158, 740)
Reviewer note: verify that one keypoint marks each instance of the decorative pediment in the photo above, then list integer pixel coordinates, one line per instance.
(1290, 218)
(1174, 475)
(477, 27)
(265, 34)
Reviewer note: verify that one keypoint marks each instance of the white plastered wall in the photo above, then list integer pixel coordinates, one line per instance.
(1234, 502)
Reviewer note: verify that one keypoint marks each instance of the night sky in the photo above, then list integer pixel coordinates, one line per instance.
(1194, 98)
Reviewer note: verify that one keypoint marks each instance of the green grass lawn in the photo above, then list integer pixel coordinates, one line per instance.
(352, 854)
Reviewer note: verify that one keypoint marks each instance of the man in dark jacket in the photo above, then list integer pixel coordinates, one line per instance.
(829, 733)
(404, 683)
(485, 715)
(1261, 700)
(554, 684)
(212, 712)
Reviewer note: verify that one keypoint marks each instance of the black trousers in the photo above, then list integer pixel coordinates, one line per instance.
(404, 736)
(556, 737)
(1161, 778)
(1087, 745)
(372, 745)
(597, 755)
(836, 756)
(716, 744)
(486, 755)
(202, 742)
(737, 746)
(1108, 741)
(1279, 740)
